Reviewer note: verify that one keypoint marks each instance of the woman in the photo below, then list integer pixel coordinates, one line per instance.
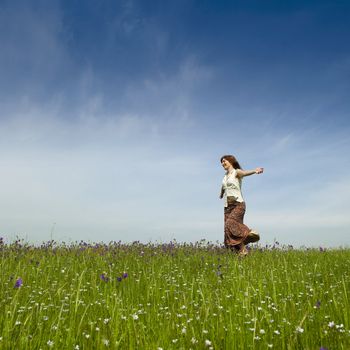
(237, 235)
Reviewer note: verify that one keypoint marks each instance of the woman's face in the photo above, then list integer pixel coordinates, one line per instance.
(226, 164)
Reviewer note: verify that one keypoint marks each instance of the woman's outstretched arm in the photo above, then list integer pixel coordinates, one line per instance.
(242, 173)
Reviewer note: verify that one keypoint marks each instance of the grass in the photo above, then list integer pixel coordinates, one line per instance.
(172, 296)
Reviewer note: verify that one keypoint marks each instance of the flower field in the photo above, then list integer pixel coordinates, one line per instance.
(172, 296)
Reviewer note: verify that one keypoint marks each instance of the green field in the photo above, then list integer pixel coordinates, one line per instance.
(172, 296)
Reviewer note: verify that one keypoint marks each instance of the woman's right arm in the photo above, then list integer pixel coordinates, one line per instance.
(222, 192)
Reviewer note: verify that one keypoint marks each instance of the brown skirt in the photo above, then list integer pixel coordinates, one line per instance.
(235, 231)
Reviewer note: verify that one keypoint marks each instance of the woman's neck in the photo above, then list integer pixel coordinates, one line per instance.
(229, 170)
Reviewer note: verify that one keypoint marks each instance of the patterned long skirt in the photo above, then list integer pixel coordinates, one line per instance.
(235, 231)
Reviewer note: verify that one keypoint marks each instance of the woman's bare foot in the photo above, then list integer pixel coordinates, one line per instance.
(252, 237)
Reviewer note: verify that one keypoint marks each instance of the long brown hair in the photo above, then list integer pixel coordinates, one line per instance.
(232, 160)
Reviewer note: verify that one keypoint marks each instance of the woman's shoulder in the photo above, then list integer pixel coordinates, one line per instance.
(238, 173)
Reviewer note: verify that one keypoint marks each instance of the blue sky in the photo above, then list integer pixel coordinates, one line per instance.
(114, 115)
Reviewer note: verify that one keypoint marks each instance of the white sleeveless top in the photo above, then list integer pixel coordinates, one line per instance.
(231, 185)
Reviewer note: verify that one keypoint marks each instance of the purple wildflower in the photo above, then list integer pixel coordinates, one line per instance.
(318, 304)
(125, 275)
(219, 274)
(119, 279)
(322, 348)
(104, 277)
(18, 283)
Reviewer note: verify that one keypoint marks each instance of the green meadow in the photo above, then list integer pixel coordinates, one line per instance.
(172, 296)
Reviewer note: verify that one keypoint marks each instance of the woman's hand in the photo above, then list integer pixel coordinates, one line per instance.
(259, 170)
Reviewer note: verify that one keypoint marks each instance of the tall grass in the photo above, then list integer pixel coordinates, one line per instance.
(172, 296)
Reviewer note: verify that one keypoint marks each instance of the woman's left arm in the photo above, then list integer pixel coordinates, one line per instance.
(242, 173)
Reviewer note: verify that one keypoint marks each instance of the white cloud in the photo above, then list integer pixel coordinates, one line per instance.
(109, 175)
(134, 177)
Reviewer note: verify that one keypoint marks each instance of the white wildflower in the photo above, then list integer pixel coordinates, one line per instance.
(183, 330)
(76, 347)
(207, 342)
(262, 331)
(299, 329)
(277, 331)
(331, 324)
(106, 320)
(105, 342)
(269, 345)
(97, 329)
(205, 331)
(174, 341)
(50, 343)
(194, 340)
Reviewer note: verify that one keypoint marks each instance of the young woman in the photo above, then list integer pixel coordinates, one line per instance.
(237, 235)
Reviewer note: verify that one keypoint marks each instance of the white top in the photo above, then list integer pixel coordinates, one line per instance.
(231, 184)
